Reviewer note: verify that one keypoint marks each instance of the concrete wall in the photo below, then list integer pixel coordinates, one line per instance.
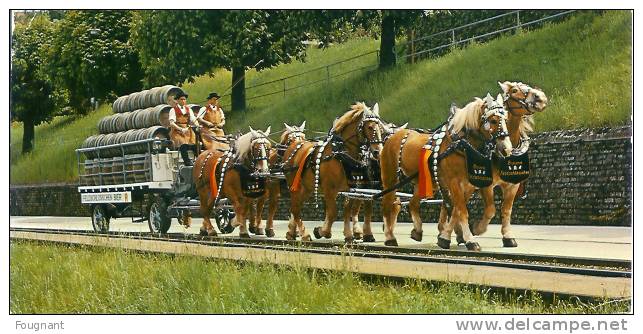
(579, 177)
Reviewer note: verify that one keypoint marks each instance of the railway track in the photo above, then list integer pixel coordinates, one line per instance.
(587, 277)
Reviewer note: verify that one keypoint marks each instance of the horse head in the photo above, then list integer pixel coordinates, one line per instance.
(370, 130)
(521, 99)
(493, 125)
(293, 134)
(258, 149)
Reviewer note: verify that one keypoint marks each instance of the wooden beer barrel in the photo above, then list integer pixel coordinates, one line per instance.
(140, 165)
(118, 105)
(88, 165)
(117, 169)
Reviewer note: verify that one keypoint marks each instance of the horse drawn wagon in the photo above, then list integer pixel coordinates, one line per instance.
(362, 158)
(129, 169)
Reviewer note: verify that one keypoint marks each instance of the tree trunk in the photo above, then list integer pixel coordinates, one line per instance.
(387, 43)
(28, 135)
(238, 89)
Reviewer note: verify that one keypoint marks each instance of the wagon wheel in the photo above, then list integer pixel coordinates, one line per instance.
(100, 218)
(224, 217)
(159, 221)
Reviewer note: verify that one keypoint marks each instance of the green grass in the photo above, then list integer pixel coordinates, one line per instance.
(583, 64)
(46, 278)
(53, 159)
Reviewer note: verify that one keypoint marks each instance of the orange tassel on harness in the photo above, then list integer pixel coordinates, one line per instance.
(425, 183)
(296, 183)
(213, 179)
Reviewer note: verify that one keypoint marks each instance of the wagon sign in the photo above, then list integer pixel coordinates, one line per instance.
(115, 197)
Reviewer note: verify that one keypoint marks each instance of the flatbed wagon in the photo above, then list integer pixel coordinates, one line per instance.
(150, 186)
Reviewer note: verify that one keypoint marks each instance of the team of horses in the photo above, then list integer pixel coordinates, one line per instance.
(479, 146)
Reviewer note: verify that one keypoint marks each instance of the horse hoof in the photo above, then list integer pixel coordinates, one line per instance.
(460, 240)
(368, 238)
(473, 246)
(316, 232)
(270, 233)
(203, 232)
(290, 236)
(444, 243)
(259, 231)
(357, 236)
(349, 240)
(244, 235)
(392, 242)
(307, 238)
(252, 229)
(415, 235)
(509, 242)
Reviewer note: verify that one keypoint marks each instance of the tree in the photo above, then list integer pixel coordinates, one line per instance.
(176, 46)
(33, 96)
(91, 56)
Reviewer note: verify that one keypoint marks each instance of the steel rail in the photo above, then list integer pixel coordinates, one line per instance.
(541, 263)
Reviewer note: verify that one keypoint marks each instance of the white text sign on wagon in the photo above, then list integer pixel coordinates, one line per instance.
(113, 197)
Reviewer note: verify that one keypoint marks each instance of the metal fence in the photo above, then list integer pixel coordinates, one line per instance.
(453, 32)
(284, 85)
(318, 75)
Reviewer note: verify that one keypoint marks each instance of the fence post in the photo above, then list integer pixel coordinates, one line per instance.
(284, 81)
(517, 20)
(453, 37)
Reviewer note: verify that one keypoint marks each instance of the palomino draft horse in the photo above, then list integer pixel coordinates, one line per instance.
(330, 166)
(522, 102)
(291, 134)
(440, 160)
(237, 174)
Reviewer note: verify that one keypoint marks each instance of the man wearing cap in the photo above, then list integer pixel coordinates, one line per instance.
(211, 116)
(181, 135)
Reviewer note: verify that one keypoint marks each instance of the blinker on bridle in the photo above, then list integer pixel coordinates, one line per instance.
(360, 130)
(497, 110)
(263, 142)
(523, 105)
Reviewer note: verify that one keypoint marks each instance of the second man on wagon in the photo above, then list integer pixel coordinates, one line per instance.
(212, 119)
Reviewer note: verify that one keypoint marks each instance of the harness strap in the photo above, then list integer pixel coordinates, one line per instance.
(213, 180)
(224, 169)
(296, 183)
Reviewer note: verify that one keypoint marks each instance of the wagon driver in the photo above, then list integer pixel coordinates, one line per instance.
(211, 116)
(181, 135)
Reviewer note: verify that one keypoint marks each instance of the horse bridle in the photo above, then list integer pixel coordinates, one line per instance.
(294, 135)
(364, 144)
(263, 144)
(360, 130)
(525, 89)
(497, 110)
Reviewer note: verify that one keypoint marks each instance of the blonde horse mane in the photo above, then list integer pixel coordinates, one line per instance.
(284, 137)
(242, 146)
(468, 117)
(357, 110)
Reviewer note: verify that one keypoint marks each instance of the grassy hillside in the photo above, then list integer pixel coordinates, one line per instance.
(60, 280)
(583, 64)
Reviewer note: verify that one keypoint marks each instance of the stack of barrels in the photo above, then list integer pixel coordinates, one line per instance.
(138, 116)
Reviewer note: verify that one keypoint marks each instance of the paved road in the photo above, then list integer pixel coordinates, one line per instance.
(583, 241)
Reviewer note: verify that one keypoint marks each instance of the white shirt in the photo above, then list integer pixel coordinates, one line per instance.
(184, 110)
(204, 109)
